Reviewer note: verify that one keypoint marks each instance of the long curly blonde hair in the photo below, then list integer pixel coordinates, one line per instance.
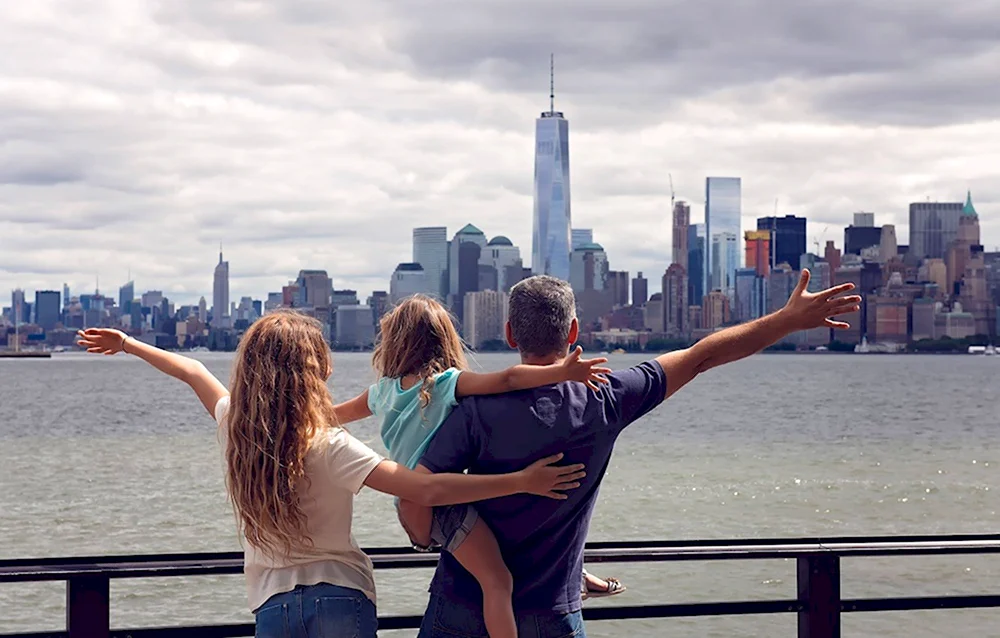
(279, 402)
(418, 337)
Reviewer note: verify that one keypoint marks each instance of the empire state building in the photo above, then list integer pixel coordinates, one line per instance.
(550, 238)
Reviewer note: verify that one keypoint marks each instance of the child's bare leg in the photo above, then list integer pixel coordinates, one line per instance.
(480, 555)
(416, 521)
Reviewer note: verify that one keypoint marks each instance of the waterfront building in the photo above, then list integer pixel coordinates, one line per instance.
(680, 225)
(653, 313)
(788, 238)
(550, 237)
(220, 294)
(430, 250)
(723, 214)
(581, 236)
(933, 226)
(355, 326)
(640, 290)
(716, 310)
(408, 279)
(922, 315)
(485, 317)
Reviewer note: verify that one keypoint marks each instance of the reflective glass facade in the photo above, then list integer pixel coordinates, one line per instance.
(723, 211)
(550, 238)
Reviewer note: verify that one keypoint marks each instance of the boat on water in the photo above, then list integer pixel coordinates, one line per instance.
(986, 350)
(24, 354)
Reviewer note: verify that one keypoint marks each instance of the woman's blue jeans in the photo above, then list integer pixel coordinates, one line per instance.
(317, 611)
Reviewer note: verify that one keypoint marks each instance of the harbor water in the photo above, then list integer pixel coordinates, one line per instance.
(103, 455)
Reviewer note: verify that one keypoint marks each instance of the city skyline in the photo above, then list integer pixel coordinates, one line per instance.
(194, 129)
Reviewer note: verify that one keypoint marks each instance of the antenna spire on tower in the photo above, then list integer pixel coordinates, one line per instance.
(552, 83)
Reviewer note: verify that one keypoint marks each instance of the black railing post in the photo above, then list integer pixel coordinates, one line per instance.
(88, 607)
(819, 595)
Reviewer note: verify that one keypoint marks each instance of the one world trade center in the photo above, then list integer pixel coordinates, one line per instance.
(550, 239)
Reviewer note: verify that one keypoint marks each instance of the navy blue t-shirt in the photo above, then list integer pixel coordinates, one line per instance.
(541, 539)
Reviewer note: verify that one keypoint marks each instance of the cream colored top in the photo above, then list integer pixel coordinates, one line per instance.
(337, 466)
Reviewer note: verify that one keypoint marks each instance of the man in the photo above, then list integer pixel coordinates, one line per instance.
(542, 540)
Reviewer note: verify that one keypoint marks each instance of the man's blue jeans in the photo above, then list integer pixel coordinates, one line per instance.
(447, 619)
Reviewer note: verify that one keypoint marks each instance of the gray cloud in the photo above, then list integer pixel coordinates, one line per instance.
(315, 134)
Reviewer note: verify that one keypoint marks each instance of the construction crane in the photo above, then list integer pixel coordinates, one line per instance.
(817, 238)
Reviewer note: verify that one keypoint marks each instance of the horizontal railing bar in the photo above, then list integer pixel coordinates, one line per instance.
(674, 610)
(151, 566)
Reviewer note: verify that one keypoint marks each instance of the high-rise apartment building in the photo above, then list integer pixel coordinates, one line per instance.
(675, 302)
(680, 223)
(550, 237)
(933, 226)
(723, 214)
(640, 290)
(220, 295)
(788, 238)
(581, 236)
(430, 250)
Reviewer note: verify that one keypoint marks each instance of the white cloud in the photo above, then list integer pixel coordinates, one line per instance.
(316, 134)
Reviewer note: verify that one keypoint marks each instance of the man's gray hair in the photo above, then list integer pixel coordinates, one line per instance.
(541, 311)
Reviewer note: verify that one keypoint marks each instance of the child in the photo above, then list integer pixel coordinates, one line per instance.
(292, 473)
(422, 367)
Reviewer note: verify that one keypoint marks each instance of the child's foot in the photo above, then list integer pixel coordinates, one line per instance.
(594, 587)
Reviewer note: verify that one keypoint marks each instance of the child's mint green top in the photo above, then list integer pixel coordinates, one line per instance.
(408, 427)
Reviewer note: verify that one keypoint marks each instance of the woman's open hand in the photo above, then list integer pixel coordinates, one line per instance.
(101, 340)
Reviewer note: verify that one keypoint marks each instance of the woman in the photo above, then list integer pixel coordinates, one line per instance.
(292, 473)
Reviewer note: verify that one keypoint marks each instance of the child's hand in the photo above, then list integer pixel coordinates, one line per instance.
(101, 340)
(585, 370)
(542, 478)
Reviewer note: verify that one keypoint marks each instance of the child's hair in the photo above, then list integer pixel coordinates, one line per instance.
(418, 337)
(279, 402)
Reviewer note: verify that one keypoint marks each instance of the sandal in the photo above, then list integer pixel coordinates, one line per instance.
(614, 587)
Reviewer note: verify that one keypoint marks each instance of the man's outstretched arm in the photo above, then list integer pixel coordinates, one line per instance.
(803, 311)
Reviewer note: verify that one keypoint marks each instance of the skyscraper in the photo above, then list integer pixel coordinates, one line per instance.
(430, 250)
(696, 263)
(17, 306)
(485, 316)
(65, 297)
(47, 310)
(464, 254)
(933, 226)
(550, 237)
(681, 221)
(407, 280)
(500, 253)
(864, 220)
(789, 238)
(725, 262)
(202, 311)
(758, 251)
(723, 211)
(675, 301)
(126, 295)
(581, 236)
(887, 244)
(640, 290)
(220, 295)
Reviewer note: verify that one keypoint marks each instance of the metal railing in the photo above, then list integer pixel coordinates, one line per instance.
(818, 604)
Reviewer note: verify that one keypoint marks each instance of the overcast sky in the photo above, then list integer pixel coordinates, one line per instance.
(317, 134)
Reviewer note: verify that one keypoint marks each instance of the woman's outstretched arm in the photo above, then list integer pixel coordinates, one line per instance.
(190, 371)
